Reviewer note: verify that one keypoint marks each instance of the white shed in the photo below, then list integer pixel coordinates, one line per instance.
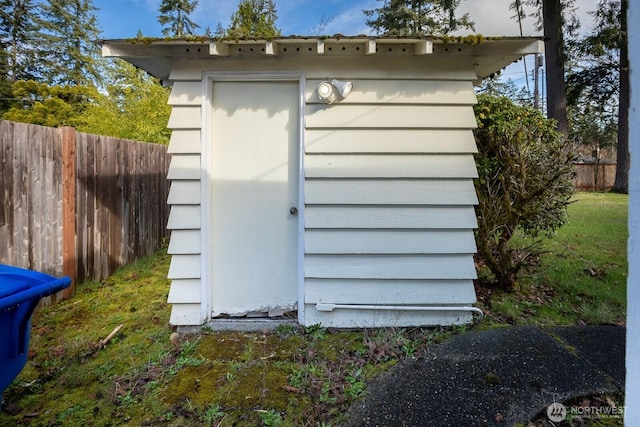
(352, 213)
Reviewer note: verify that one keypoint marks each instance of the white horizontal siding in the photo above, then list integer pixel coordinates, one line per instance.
(391, 141)
(372, 67)
(184, 192)
(185, 141)
(395, 217)
(394, 166)
(388, 187)
(185, 242)
(341, 318)
(389, 199)
(389, 192)
(183, 217)
(184, 267)
(184, 166)
(185, 198)
(389, 116)
(185, 117)
(389, 242)
(402, 92)
(185, 291)
(186, 93)
(390, 267)
(186, 315)
(389, 292)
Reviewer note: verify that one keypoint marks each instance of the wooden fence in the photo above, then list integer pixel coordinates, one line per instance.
(78, 204)
(595, 176)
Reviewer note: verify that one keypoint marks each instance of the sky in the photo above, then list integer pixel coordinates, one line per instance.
(123, 18)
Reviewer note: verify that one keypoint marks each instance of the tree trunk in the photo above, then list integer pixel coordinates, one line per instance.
(621, 183)
(553, 54)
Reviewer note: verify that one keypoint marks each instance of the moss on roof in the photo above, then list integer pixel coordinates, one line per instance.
(471, 39)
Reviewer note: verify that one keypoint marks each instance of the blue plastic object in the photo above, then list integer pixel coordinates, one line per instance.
(20, 293)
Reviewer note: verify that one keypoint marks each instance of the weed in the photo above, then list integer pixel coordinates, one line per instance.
(297, 377)
(270, 418)
(409, 349)
(356, 386)
(286, 329)
(127, 400)
(189, 347)
(152, 385)
(325, 394)
(69, 412)
(316, 332)
(212, 414)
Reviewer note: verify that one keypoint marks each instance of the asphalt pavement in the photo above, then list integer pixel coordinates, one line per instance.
(497, 377)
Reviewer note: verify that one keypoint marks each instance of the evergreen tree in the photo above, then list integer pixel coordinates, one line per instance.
(18, 32)
(417, 18)
(557, 19)
(493, 86)
(254, 18)
(175, 14)
(69, 55)
(5, 84)
(601, 77)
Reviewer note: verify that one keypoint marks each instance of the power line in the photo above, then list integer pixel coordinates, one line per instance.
(518, 10)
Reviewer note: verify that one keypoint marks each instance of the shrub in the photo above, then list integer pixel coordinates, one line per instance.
(525, 170)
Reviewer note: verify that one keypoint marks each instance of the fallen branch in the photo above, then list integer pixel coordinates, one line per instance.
(104, 342)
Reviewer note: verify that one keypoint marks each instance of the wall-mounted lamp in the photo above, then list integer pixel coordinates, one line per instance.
(330, 91)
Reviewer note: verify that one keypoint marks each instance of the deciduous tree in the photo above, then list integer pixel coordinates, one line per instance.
(525, 173)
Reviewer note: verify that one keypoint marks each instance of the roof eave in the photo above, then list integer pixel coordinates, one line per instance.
(156, 56)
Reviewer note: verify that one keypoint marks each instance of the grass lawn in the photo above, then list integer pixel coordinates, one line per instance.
(582, 276)
(289, 377)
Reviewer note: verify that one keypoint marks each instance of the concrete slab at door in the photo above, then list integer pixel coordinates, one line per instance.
(254, 186)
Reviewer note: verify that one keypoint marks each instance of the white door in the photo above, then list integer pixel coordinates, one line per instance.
(254, 196)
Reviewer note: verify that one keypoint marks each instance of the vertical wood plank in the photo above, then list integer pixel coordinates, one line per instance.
(6, 190)
(115, 191)
(69, 207)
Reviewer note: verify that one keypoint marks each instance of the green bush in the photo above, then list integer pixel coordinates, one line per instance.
(525, 170)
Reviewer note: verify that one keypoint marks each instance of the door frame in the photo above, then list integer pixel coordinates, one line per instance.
(208, 79)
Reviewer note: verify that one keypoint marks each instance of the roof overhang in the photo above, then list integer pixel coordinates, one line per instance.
(486, 55)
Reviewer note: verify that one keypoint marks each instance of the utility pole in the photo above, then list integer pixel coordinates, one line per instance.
(536, 86)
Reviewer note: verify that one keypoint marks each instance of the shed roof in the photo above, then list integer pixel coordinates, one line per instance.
(487, 55)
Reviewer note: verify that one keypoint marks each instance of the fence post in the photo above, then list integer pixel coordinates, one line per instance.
(69, 207)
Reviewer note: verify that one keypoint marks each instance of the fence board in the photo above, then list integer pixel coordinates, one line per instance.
(595, 176)
(120, 200)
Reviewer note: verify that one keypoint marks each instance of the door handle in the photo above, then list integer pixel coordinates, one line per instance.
(293, 210)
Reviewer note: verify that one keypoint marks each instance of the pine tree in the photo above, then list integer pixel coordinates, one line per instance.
(175, 14)
(254, 18)
(5, 83)
(601, 77)
(68, 50)
(417, 18)
(18, 30)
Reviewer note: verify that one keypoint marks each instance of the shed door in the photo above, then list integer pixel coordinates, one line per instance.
(254, 193)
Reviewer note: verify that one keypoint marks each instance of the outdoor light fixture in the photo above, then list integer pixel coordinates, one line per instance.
(330, 91)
